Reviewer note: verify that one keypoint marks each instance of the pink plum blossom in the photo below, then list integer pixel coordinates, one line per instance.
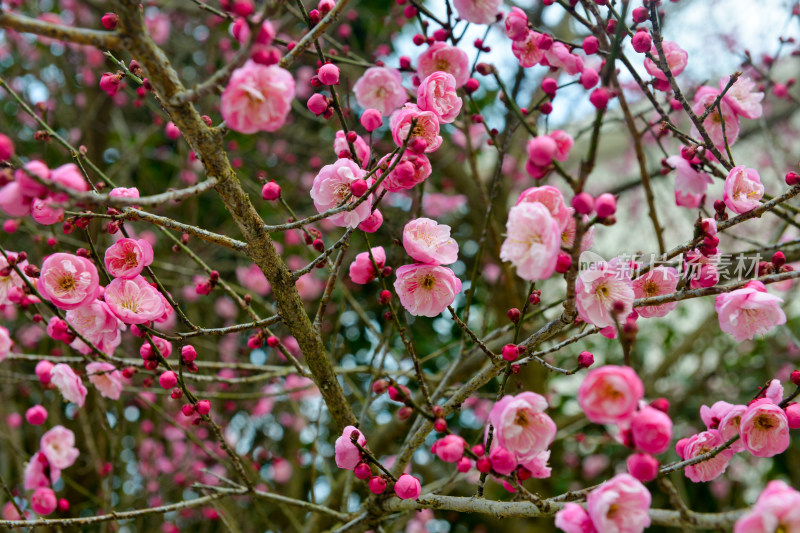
(449, 448)
(701, 270)
(5, 343)
(412, 170)
(407, 487)
(127, 257)
(478, 11)
(729, 426)
(443, 57)
(58, 445)
(742, 97)
(743, 189)
(651, 430)
(39, 472)
(764, 429)
(362, 148)
(133, 301)
(516, 24)
(558, 55)
(426, 290)
(380, 88)
(621, 504)
(123, 192)
(437, 93)
(12, 281)
(426, 128)
(98, 325)
(690, 184)
(521, 426)
(68, 384)
(332, 186)
(601, 291)
(106, 378)
(362, 270)
(527, 50)
(610, 394)
(12, 200)
(257, 98)
(712, 416)
(657, 282)
(429, 242)
(44, 501)
(533, 241)
(713, 124)
(573, 518)
(776, 509)
(749, 311)
(346, 453)
(702, 443)
(537, 464)
(676, 58)
(552, 199)
(68, 281)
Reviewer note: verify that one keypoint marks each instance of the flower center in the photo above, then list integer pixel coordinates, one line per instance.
(427, 282)
(764, 422)
(443, 65)
(650, 288)
(66, 283)
(522, 419)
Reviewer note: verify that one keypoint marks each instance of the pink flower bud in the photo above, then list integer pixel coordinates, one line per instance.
(549, 86)
(605, 205)
(372, 222)
(110, 83)
(591, 45)
(362, 471)
(792, 178)
(271, 191)
(36, 415)
(585, 359)
(472, 85)
(563, 263)
(44, 501)
(109, 21)
(464, 464)
(503, 461)
(642, 42)
(328, 74)
(371, 119)
(640, 14)
(642, 466)
(407, 487)
(188, 353)
(172, 131)
(510, 352)
(42, 370)
(168, 380)
(203, 407)
(583, 203)
(187, 409)
(317, 104)
(600, 97)
(377, 485)
(358, 188)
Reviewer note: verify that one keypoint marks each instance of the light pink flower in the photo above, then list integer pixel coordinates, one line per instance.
(610, 394)
(552, 199)
(533, 241)
(527, 50)
(449, 448)
(516, 24)
(690, 184)
(380, 88)
(741, 97)
(106, 378)
(478, 11)
(712, 416)
(702, 443)
(12, 280)
(40, 473)
(58, 445)
(568, 234)
(5, 343)
(764, 429)
(574, 519)
(332, 186)
(426, 290)
(68, 384)
(729, 426)
(657, 282)
(429, 242)
(537, 465)
(743, 189)
(362, 148)
(599, 289)
(12, 200)
(749, 311)
(134, 301)
(564, 143)
(620, 505)
(558, 55)
(257, 98)
(69, 176)
(98, 324)
(713, 124)
(253, 279)
(777, 509)
(123, 192)
(410, 171)
(126, 258)
(446, 58)
(437, 93)
(407, 487)
(651, 430)
(68, 281)
(676, 57)
(346, 453)
(521, 426)
(361, 269)
(426, 128)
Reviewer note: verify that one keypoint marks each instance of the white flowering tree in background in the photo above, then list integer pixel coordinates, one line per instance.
(372, 266)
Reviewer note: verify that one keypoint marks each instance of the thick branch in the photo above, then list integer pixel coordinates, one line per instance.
(104, 40)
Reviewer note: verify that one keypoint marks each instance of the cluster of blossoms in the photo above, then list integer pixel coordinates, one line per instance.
(30, 191)
(57, 452)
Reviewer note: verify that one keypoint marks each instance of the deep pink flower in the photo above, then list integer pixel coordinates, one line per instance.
(441, 56)
(600, 290)
(533, 241)
(68, 384)
(346, 453)
(426, 128)
(764, 429)
(676, 57)
(426, 290)
(134, 301)
(657, 282)
(332, 186)
(437, 93)
(527, 50)
(516, 24)
(690, 184)
(126, 258)
(651, 430)
(412, 170)
(521, 426)
(106, 378)
(621, 505)
(429, 242)
(749, 311)
(610, 394)
(777, 509)
(46, 211)
(702, 443)
(68, 281)
(449, 448)
(58, 445)
(743, 189)
(12, 200)
(407, 487)
(39, 472)
(257, 98)
(69, 176)
(380, 88)
(362, 148)
(742, 98)
(642, 466)
(44, 501)
(478, 11)
(573, 518)
(361, 269)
